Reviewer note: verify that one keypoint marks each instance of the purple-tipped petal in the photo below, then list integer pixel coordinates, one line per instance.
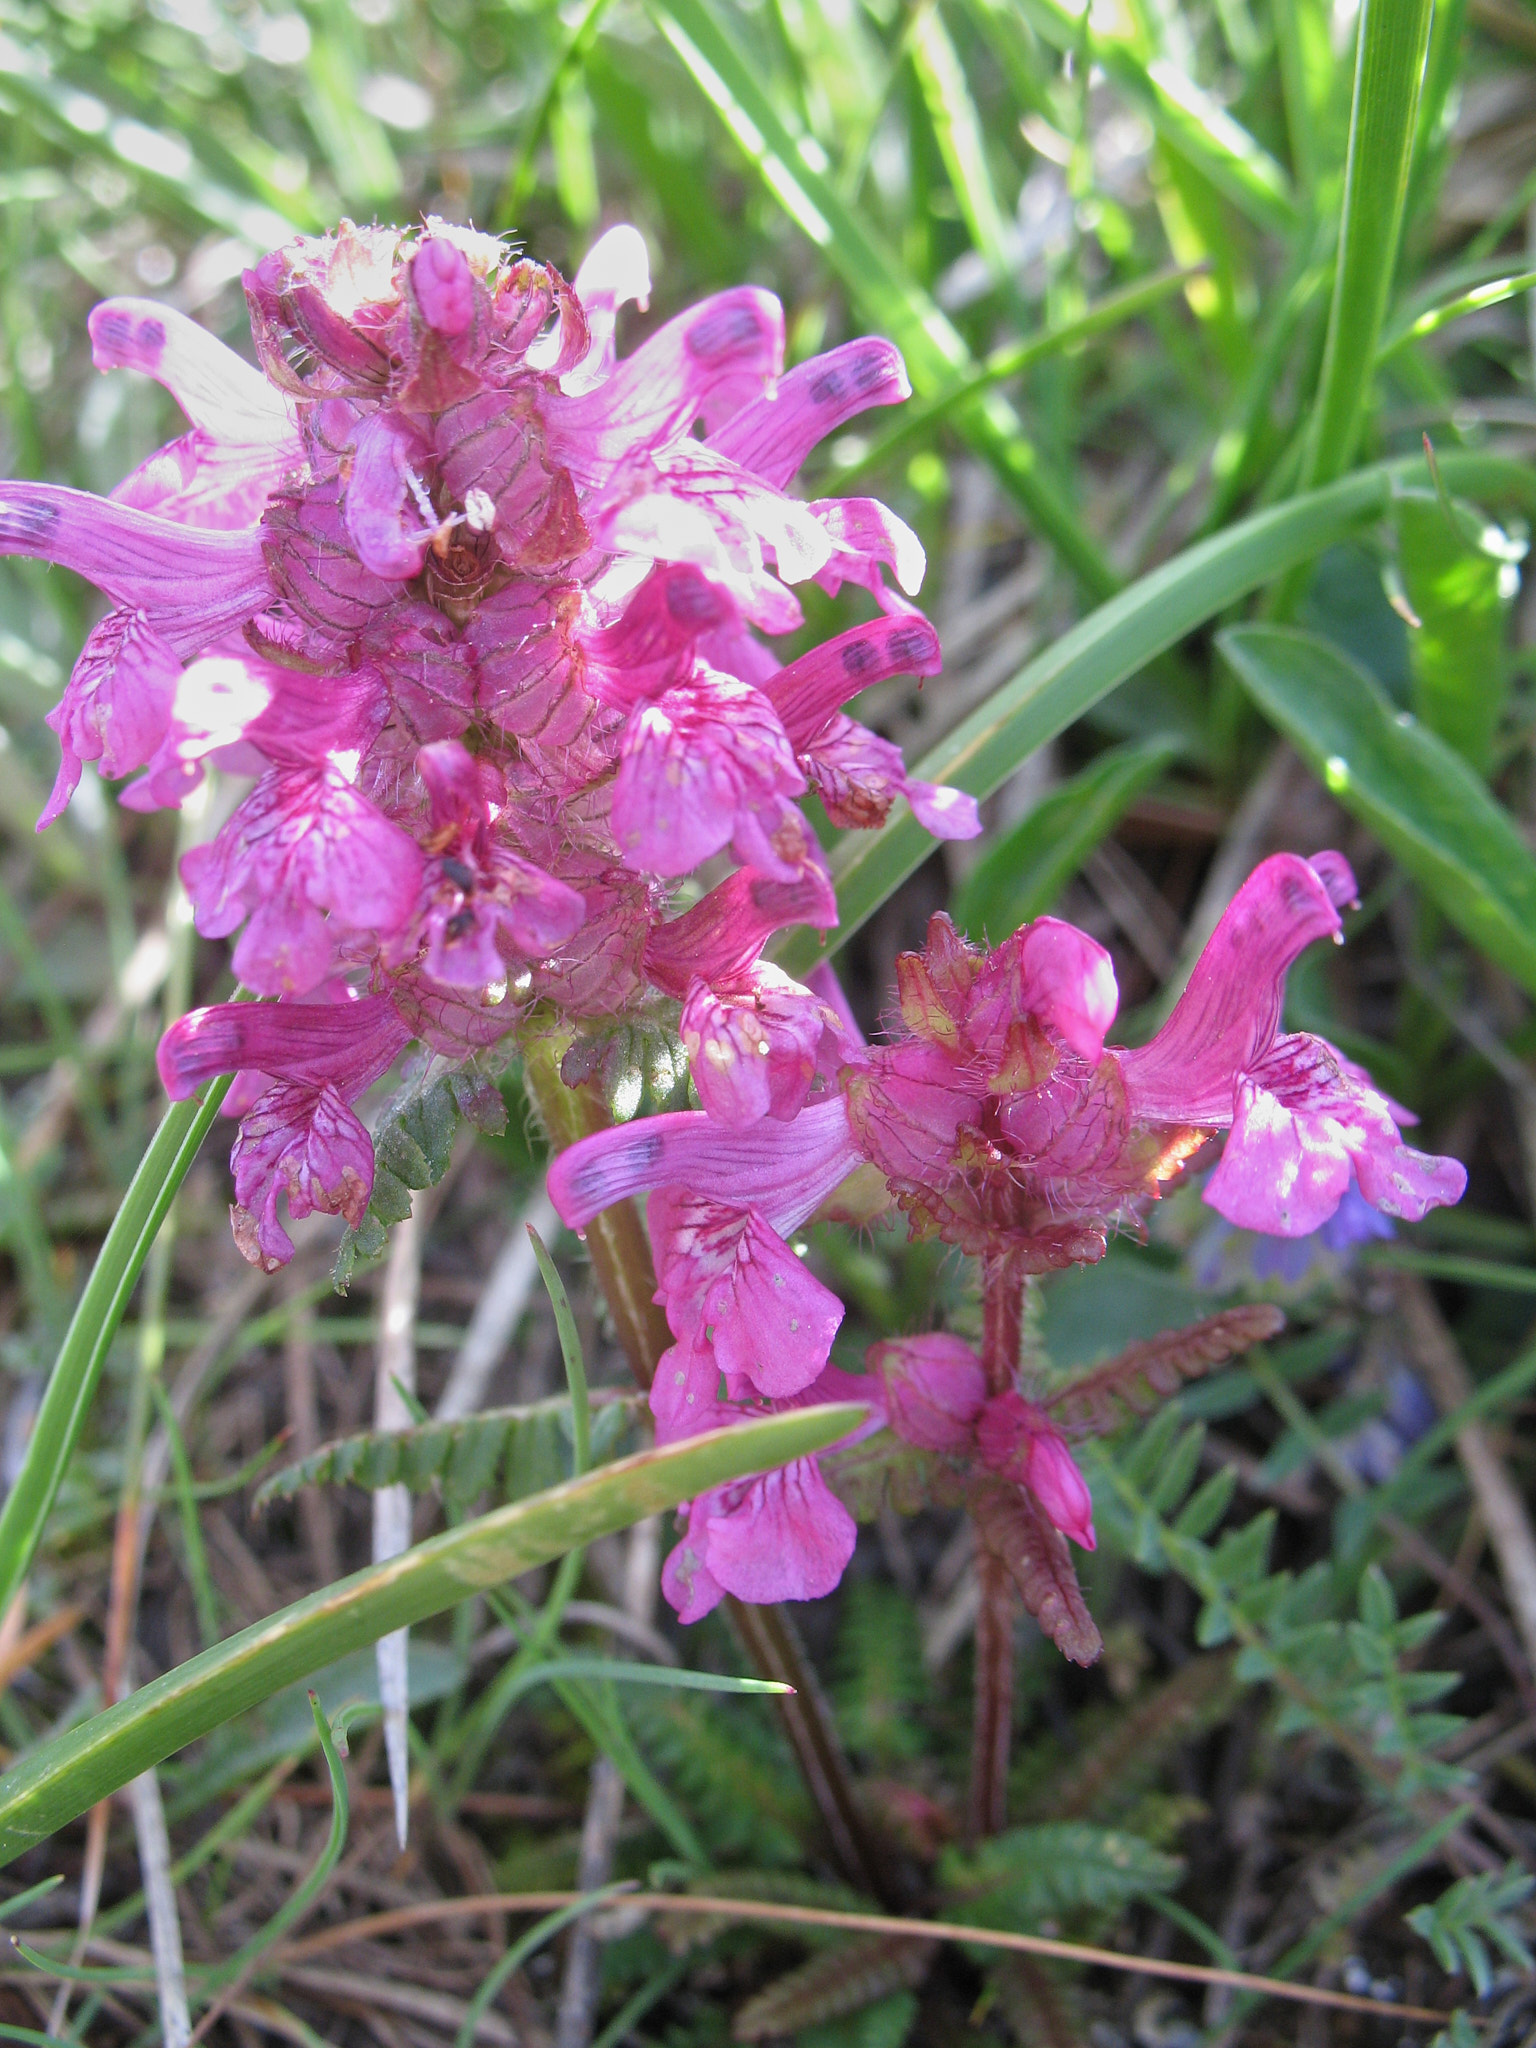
(1230, 1012)
(720, 938)
(771, 436)
(345, 1045)
(217, 391)
(190, 584)
(809, 691)
(785, 1170)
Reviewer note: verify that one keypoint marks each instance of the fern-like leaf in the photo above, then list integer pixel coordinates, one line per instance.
(1461, 1923)
(1027, 1874)
(529, 1447)
(1134, 1382)
(840, 1980)
(1012, 1527)
(1128, 1755)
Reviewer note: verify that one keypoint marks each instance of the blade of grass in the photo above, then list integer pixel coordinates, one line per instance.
(72, 1384)
(65, 1776)
(961, 139)
(1389, 71)
(1106, 649)
(1425, 804)
(1100, 318)
(889, 299)
(526, 1945)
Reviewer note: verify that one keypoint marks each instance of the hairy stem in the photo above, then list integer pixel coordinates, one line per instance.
(992, 1726)
(621, 1262)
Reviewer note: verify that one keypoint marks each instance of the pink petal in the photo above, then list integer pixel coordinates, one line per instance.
(811, 689)
(303, 1142)
(785, 1170)
(216, 390)
(444, 287)
(790, 1538)
(1068, 979)
(773, 1321)
(383, 517)
(723, 934)
(344, 1044)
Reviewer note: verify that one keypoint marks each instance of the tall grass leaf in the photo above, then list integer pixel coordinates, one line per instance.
(887, 297)
(1459, 578)
(961, 138)
(1184, 114)
(77, 1369)
(63, 1778)
(1421, 800)
(1084, 665)
(1393, 40)
(1021, 875)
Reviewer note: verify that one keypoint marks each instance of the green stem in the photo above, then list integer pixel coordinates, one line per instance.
(72, 1385)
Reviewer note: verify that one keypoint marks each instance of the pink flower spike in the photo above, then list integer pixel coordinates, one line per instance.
(444, 287)
(785, 1170)
(305, 1142)
(934, 1389)
(1019, 1440)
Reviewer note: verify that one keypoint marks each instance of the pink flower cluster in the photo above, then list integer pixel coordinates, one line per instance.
(487, 622)
(1000, 1122)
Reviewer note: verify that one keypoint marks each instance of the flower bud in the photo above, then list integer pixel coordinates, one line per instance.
(934, 1389)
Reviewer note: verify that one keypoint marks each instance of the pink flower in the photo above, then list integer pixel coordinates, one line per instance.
(1020, 1442)
(934, 1389)
(303, 842)
(461, 587)
(783, 1536)
(299, 1137)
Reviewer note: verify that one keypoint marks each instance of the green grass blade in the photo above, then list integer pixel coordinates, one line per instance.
(526, 1945)
(570, 1350)
(919, 417)
(1022, 874)
(888, 299)
(1085, 664)
(72, 1384)
(1419, 798)
(1394, 36)
(962, 143)
(303, 1896)
(64, 1777)
(1186, 117)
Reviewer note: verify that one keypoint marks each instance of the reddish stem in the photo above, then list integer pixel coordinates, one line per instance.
(992, 1727)
(620, 1253)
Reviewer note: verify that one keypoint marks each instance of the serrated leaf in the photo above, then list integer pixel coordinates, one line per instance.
(1206, 1506)
(1142, 1375)
(1020, 1877)
(841, 1980)
(1417, 796)
(532, 1443)
(390, 1201)
(1012, 1527)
